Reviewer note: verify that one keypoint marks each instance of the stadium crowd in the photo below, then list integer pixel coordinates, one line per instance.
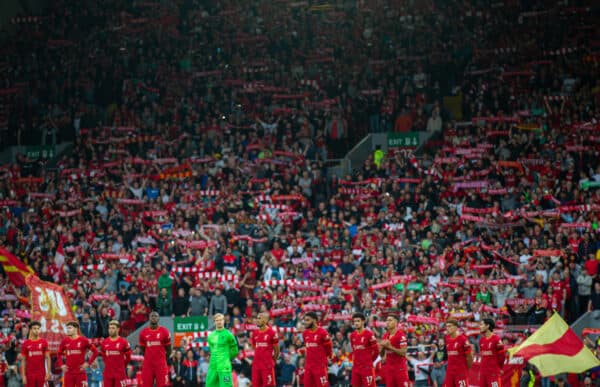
(198, 184)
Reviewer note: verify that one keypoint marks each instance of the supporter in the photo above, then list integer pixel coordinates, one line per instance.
(198, 144)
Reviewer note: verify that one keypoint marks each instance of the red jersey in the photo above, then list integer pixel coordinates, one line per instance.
(75, 350)
(116, 354)
(154, 342)
(264, 343)
(492, 353)
(300, 375)
(457, 349)
(398, 340)
(364, 349)
(34, 352)
(318, 348)
(3, 369)
(558, 287)
(278, 254)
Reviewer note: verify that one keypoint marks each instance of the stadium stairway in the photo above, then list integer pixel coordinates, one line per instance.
(588, 320)
(355, 158)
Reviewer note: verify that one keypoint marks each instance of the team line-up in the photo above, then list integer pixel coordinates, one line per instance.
(155, 342)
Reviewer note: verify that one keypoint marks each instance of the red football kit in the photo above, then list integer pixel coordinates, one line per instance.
(263, 365)
(318, 348)
(364, 352)
(155, 343)
(34, 352)
(300, 375)
(3, 369)
(395, 367)
(116, 354)
(457, 371)
(492, 361)
(74, 351)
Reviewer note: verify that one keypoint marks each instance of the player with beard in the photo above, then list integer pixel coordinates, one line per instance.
(266, 351)
(319, 348)
(492, 355)
(116, 352)
(155, 342)
(364, 352)
(393, 350)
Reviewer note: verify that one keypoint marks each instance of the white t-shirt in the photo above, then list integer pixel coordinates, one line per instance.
(419, 366)
(137, 192)
(243, 381)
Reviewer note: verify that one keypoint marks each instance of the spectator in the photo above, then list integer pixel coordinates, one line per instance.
(594, 303)
(584, 282)
(13, 377)
(102, 321)
(94, 374)
(165, 282)
(484, 295)
(274, 272)
(190, 370)
(181, 304)
(178, 369)
(438, 370)
(202, 368)
(218, 302)
(434, 123)
(139, 313)
(286, 369)
(198, 303)
(181, 158)
(88, 327)
(421, 368)
(243, 380)
(501, 294)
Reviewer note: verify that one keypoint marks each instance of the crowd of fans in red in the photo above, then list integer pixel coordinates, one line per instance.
(197, 182)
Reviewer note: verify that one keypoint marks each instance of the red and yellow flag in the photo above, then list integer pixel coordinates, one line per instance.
(555, 348)
(16, 270)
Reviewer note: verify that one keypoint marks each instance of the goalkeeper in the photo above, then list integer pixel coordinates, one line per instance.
(223, 348)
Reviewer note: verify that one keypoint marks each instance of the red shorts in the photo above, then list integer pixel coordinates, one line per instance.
(363, 377)
(38, 380)
(316, 378)
(263, 378)
(114, 381)
(490, 379)
(75, 380)
(152, 372)
(456, 379)
(396, 378)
